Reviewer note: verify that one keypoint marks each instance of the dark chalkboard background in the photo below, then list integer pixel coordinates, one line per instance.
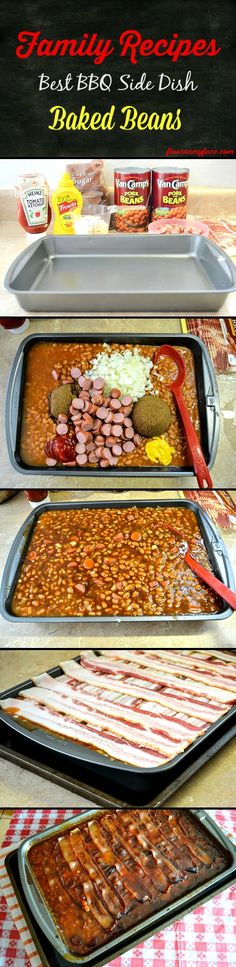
(208, 115)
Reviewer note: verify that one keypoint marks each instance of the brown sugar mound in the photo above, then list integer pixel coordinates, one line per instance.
(151, 416)
(60, 400)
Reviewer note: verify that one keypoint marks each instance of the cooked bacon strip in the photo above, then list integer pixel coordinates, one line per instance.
(120, 858)
(151, 836)
(165, 869)
(166, 839)
(80, 850)
(80, 887)
(111, 868)
(140, 737)
(182, 667)
(154, 878)
(159, 678)
(178, 823)
(117, 710)
(199, 710)
(67, 727)
(147, 885)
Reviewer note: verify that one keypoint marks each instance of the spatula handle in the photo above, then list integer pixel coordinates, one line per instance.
(199, 463)
(209, 578)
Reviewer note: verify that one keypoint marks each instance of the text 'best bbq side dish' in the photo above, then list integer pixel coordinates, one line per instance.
(97, 561)
(142, 708)
(97, 405)
(112, 871)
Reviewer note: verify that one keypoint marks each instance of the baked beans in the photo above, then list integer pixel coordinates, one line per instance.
(112, 561)
(37, 427)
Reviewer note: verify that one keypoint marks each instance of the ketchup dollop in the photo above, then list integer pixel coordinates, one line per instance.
(61, 448)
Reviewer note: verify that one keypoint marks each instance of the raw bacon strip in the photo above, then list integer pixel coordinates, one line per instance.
(117, 710)
(160, 678)
(199, 711)
(177, 687)
(211, 659)
(183, 668)
(140, 737)
(202, 672)
(54, 722)
(219, 655)
(190, 725)
(203, 690)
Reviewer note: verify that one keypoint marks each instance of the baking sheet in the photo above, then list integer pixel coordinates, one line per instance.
(108, 794)
(116, 273)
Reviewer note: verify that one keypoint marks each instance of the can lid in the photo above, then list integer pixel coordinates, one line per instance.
(129, 169)
(173, 168)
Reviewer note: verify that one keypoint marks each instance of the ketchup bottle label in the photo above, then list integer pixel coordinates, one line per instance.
(35, 205)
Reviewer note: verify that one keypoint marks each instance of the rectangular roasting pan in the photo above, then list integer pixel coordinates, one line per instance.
(121, 273)
(152, 924)
(214, 545)
(207, 395)
(133, 785)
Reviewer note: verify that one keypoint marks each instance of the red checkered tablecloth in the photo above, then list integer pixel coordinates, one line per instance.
(204, 938)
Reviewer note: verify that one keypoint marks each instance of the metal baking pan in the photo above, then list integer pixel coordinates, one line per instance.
(152, 924)
(121, 273)
(214, 545)
(48, 954)
(207, 395)
(132, 784)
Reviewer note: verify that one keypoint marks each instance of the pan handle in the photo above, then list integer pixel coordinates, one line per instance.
(218, 553)
(226, 261)
(229, 268)
(212, 404)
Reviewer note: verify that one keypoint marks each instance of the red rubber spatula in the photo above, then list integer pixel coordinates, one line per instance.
(207, 576)
(199, 463)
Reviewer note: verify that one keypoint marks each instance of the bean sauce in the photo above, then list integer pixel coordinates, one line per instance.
(37, 428)
(113, 561)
